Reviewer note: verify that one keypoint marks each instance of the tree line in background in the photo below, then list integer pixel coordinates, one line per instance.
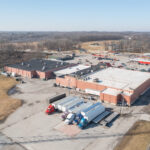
(51, 40)
(128, 41)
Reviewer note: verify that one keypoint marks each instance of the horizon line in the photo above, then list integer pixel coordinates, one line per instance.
(67, 31)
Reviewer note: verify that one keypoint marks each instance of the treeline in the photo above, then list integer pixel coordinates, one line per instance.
(11, 57)
(51, 40)
(128, 41)
(138, 43)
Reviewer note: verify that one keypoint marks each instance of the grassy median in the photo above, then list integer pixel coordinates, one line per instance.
(7, 104)
(137, 138)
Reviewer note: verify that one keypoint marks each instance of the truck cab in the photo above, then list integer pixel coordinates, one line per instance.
(50, 109)
(70, 118)
(83, 123)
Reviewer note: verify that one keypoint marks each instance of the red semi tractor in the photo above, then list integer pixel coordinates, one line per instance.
(51, 108)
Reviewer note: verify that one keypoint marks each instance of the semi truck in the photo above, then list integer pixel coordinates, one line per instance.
(90, 113)
(64, 104)
(54, 106)
(75, 113)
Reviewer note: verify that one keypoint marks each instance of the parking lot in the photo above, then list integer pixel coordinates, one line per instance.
(30, 128)
(118, 60)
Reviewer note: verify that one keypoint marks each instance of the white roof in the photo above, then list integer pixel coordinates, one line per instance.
(71, 70)
(146, 54)
(111, 91)
(127, 93)
(140, 59)
(119, 78)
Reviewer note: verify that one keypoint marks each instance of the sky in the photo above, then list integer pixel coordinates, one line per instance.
(74, 15)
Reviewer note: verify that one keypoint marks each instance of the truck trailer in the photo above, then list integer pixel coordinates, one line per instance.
(91, 113)
(54, 106)
(75, 112)
(71, 104)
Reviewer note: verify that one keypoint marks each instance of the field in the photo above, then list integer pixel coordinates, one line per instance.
(97, 46)
(137, 138)
(7, 104)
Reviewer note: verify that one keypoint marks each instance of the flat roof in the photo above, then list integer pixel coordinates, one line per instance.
(71, 70)
(111, 91)
(140, 59)
(119, 78)
(39, 65)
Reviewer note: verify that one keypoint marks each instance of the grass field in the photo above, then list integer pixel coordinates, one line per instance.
(137, 138)
(7, 104)
(97, 46)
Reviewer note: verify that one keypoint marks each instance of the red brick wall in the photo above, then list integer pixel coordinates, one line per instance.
(137, 92)
(127, 99)
(73, 82)
(21, 72)
(39, 74)
(89, 85)
(109, 98)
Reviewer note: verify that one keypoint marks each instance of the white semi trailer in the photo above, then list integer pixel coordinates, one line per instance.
(90, 113)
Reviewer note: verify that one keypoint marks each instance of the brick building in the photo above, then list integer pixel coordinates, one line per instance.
(37, 68)
(113, 85)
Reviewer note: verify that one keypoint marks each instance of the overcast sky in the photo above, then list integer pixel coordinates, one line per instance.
(74, 15)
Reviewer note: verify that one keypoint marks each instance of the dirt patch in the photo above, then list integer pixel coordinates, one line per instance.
(37, 101)
(13, 90)
(70, 130)
(137, 138)
(30, 104)
(7, 104)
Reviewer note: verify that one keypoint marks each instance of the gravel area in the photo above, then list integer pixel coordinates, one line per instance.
(30, 128)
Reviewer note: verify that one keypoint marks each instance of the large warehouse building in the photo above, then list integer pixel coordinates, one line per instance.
(37, 68)
(113, 85)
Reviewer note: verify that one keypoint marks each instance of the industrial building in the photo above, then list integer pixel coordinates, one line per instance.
(71, 70)
(141, 61)
(37, 68)
(113, 85)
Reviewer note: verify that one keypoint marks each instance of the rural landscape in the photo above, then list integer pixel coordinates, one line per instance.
(70, 81)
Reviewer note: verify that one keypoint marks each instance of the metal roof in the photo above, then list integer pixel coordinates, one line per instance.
(39, 65)
(119, 78)
(71, 70)
(86, 71)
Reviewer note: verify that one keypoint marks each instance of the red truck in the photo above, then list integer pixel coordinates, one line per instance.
(50, 109)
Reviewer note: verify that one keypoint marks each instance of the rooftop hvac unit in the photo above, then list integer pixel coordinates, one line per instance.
(43, 68)
(28, 65)
(96, 80)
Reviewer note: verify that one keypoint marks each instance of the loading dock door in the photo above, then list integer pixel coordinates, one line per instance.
(93, 92)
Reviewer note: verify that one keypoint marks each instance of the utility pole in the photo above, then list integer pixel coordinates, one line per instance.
(69, 86)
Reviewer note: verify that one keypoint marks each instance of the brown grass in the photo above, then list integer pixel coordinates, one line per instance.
(137, 138)
(7, 104)
(97, 48)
